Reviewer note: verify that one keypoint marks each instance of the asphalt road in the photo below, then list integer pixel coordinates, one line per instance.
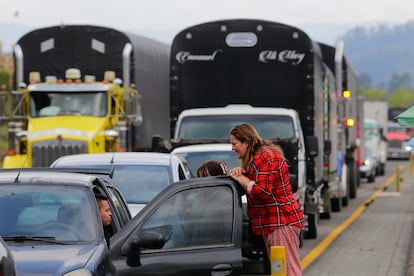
(371, 236)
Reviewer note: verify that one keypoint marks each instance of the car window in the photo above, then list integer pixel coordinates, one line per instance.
(47, 211)
(140, 183)
(196, 159)
(181, 173)
(195, 217)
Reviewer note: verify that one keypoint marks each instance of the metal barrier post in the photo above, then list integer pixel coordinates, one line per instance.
(278, 261)
(411, 165)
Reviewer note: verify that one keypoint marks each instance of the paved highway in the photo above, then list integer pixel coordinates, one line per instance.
(371, 236)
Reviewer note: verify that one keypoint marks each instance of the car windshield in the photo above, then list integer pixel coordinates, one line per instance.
(140, 183)
(45, 212)
(43, 104)
(219, 126)
(196, 159)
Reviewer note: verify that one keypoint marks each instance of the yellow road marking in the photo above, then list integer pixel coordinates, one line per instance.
(314, 253)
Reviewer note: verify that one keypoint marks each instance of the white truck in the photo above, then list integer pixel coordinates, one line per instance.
(375, 131)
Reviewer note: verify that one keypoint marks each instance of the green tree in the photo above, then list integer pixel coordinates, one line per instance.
(4, 80)
(373, 94)
(403, 98)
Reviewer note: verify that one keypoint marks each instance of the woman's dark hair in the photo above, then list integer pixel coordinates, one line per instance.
(211, 168)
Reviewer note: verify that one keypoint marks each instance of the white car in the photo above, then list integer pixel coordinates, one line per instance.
(198, 154)
(138, 175)
(369, 167)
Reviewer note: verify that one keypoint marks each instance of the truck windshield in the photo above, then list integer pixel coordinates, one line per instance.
(219, 126)
(43, 104)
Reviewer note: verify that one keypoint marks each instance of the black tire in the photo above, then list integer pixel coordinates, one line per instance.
(371, 178)
(345, 199)
(352, 179)
(267, 269)
(336, 204)
(311, 231)
(382, 169)
(358, 179)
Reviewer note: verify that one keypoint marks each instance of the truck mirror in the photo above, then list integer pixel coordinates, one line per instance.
(327, 147)
(157, 143)
(311, 145)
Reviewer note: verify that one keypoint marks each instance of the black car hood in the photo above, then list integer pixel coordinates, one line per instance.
(35, 259)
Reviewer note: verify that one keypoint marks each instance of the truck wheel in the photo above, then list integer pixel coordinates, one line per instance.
(345, 200)
(352, 180)
(382, 169)
(358, 179)
(311, 221)
(266, 264)
(336, 204)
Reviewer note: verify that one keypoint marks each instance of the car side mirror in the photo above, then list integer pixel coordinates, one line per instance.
(145, 239)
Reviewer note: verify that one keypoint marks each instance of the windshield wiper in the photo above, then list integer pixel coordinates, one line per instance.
(23, 238)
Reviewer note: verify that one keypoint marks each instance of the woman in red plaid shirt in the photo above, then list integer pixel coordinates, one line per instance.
(273, 211)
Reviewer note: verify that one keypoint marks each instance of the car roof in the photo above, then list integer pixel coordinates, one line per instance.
(33, 176)
(203, 148)
(153, 158)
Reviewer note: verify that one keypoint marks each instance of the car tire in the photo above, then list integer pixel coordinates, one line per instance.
(371, 178)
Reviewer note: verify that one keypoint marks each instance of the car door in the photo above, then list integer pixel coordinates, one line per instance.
(196, 225)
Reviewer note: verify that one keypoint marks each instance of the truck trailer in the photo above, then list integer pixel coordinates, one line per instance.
(349, 120)
(85, 89)
(258, 64)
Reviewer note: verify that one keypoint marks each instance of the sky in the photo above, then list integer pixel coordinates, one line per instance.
(324, 20)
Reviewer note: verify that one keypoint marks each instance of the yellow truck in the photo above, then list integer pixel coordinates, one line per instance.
(85, 89)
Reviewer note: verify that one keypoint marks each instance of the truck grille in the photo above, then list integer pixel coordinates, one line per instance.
(395, 143)
(45, 152)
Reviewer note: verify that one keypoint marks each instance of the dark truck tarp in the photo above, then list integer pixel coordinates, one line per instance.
(95, 49)
(282, 69)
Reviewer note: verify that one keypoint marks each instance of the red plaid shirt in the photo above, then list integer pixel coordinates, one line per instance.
(270, 200)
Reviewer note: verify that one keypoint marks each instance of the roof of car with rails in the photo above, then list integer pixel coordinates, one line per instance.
(154, 158)
(45, 175)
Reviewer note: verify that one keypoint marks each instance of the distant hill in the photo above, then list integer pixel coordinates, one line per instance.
(384, 53)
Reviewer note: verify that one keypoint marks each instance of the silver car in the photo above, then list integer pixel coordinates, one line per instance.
(138, 175)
